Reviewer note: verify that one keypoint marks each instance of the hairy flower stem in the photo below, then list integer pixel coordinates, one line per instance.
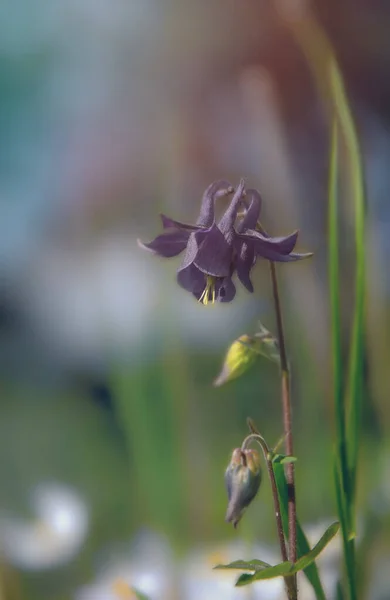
(255, 436)
(287, 420)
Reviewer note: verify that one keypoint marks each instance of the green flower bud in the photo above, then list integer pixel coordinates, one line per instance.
(242, 479)
(240, 356)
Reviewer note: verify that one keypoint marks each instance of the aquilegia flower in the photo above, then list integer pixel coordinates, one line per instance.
(214, 251)
(242, 480)
(249, 249)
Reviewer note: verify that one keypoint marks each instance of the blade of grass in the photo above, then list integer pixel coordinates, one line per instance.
(129, 395)
(322, 61)
(355, 370)
(348, 544)
(143, 421)
(334, 290)
(342, 475)
(342, 478)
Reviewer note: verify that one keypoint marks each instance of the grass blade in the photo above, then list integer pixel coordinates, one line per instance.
(337, 364)
(322, 62)
(342, 474)
(355, 370)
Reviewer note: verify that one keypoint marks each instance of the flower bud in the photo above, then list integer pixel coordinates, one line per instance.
(242, 479)
(241, 355)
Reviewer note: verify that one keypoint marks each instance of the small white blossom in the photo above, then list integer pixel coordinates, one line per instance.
(54, 536)
(148, 568)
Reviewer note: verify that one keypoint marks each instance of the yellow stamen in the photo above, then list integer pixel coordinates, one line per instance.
(208, 294)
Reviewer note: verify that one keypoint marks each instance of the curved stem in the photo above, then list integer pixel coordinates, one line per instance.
(255, 437)
(287, 419)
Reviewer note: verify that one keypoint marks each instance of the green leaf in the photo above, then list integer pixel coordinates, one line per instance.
(356, 175)
(288, 459)
(288, 568)
(283, 459)
(348, 437)
(341, 471)
(306, 560)
(244, 579)
(269, 345)
(334, 288)
(303, 546)
(281, 570)
(339, 592)
(250, 565)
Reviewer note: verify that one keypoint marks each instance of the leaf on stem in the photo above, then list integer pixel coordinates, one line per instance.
(283, 459)
(303, 546)
(245, 565)
(281, 570)
(326, 537)
(287, 568)
(269, 346)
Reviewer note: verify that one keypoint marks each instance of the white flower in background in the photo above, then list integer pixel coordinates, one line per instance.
(200, 582)
(53, 537)
(148, 568)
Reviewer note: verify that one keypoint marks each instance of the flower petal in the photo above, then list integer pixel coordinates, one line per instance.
(276, 256)
(284, 245)
(226, 290)
(300, 255)
(252, 214)
(168, 244)
(195, 239)
(217, 189)
(192, 280)
(245, 261)
(246, 256)
(214, 255)
(227, 221)
(168, 223)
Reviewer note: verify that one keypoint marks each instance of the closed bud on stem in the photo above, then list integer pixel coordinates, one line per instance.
(242, 479)
(240, 356)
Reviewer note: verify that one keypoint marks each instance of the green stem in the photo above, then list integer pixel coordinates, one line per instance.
(268, 459)
(287, 420)
(255, 436)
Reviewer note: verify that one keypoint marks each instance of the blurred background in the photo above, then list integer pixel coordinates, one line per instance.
(113, 442)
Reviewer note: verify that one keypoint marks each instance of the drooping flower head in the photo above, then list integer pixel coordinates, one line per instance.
(207, 267)
(242, 480)
(215, 251)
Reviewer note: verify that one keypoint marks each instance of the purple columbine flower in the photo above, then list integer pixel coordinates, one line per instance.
(213, 252)
(252, 243)
(207, 267)
(175, 237)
